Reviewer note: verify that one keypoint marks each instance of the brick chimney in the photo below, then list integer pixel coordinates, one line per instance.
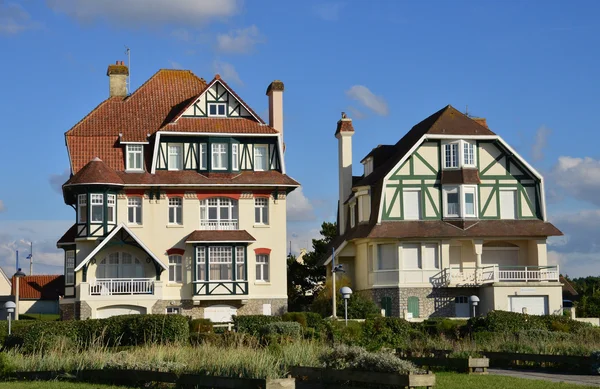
(275, 93)
(481, 121)
(344, 133)
(117, 75)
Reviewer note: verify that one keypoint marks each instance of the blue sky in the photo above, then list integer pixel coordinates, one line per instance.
(529, 67)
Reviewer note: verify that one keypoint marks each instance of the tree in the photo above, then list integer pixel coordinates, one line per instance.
(359, 306)
(305, 277)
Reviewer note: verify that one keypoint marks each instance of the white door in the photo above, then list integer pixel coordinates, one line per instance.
(412, 204)
(534, 305)
(500, 256)
(508, 204)
(219, 313)
(117, 310)
(462, 308)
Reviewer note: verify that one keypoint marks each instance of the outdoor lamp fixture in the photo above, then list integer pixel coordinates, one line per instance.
(335, 269)
(474, 302)
(17, 275)
(346, 293)
(10, 308)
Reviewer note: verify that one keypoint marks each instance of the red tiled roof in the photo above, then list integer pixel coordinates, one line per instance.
(95, 172)
(212, 125)
(43, 287)
(69, 236)
(220, 236)
(191, 177)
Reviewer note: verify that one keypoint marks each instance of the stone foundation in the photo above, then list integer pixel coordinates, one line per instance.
(82, 310)
(66, 311)
(196, 311)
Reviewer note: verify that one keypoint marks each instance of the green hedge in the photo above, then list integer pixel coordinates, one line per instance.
(128, 330)
(201, 326)
(308, 320)
(502, 321)
(288, 329)
(252, 324)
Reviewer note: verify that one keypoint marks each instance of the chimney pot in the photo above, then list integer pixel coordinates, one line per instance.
(117, 75)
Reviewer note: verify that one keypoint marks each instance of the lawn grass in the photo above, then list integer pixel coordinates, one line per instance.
(55, 385)
(466, 381)
(39, 316)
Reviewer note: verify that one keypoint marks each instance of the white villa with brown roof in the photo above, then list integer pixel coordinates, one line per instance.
(179, 191)
(448, 212)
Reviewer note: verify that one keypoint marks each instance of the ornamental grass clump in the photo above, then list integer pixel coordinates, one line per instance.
(357, 358)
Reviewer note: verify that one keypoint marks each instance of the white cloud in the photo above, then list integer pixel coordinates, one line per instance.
(356, 113)
(17, 235)
(300, 236)
(328, 11)
(578, 177)
(227, 72)
(57, 180)
(576, 264)
(241, 41)
(2, 208)
(299, 207)
(175, 65)
(150, 13)
(14, 19)
(367, 98)
(540, 143)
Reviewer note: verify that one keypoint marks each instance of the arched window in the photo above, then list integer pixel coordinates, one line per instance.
(120, 265)
(219, 213)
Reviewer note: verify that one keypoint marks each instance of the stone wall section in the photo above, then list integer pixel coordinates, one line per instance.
(67, 311)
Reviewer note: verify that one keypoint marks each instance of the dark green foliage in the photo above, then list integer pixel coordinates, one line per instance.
(6, 365)
(288, 330)
(129, 330)
(201, 325)
(352, 334)
(451, 329)
(588, 301)
(298, 317)
(15, 326)
(312, 323)
(502, 321)
(40, 316)
(390, 332)
(251, 324)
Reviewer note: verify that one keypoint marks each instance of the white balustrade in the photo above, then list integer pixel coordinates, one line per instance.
(121, 286)
(218, 224)
(496, 273)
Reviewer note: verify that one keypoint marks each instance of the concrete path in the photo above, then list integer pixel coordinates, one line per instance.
(589, 380)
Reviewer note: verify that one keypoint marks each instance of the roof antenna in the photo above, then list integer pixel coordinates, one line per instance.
(467, 110)
(128, 52)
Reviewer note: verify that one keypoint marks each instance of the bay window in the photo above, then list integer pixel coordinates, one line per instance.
(82, 208)
(261, 157)
(175, 156)
(203, 157)
(97, 207)
(459, 153)
(111, 203)
(235, 161)
(387, 257)
(218, 263)
(460, 201)
(219, 156)
(240, 263)
(134, 157)
(218, 213)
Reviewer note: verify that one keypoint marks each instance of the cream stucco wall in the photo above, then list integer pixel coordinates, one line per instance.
(502, 291)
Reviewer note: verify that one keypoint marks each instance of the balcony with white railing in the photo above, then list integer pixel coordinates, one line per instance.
(121, 286)
(469, 276)
(208, 224)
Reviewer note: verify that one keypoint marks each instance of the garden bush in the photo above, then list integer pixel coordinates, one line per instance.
(251, 324)
(288, 330)
(452, 329)
(201, 326)
(298, 317)
(340, 333)
(502, 321)
(357, 358)
(389, 332)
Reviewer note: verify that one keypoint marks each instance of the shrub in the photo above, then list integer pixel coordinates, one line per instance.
(390, 332)
(351, 334)
(290, 330)
(502, 321)
(201, 325)
(357, 358)
(251, 324)
(6, 365)
(453, 329)
(298, 317)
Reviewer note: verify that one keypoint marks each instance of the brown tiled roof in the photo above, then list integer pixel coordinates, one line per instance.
(460, 176)
(344, 125)
(567, 287)
(95, 172)
(212, 125)
(43, 287)
(220, 236)
(191, 177)
(69, 236)
(143, 112)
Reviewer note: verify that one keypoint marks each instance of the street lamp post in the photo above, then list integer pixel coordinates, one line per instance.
(17, 275)
(474, 302)
(346, 293)
(10, 308)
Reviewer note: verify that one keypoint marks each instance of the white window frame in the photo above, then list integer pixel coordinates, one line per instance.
(137, 150)
(70, 267)
(368, 166)
(266, 156)
(94, 204)
(235, 159)
(421, 246)
(221, 202)
(420, 199)
(461, 190)
(261, 204)
(180, 155)
(176, 210)
(445, 147)
(240, 263)
(263, 267)
(132, 203)
(203, 154)
(378, 260)
(201, 263)
(217, 149)
(460, 157)
(217, 105)
(111, 208)
(175, 269)
(214, 260)
(173, 311)
(82, 209)
(352, 214)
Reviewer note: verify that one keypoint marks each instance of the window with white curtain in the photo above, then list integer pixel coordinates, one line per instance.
(200, 263)
(111, 206)
(219, 156)
(134, 156)
(460, 201)
(175, 268)
(120, 265)
(97, 207)
(235, 161)
(262, 267)
(175, 157)
(240, 263)
(70, 267)
(220, 260)
(203, 157)
(261, 210)
(134, 210)
(261, 157)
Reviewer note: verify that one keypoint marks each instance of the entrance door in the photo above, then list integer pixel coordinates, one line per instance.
(534, 305)
(508, 204)
(413, 306)
(461, 304)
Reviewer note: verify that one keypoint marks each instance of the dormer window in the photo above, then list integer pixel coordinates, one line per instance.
(217, 109)
(460, 201)
(175, 156)
(457, 154)
(134, 157)
(368, 165)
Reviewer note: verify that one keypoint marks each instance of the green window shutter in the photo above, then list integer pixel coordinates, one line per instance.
(413, 306)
